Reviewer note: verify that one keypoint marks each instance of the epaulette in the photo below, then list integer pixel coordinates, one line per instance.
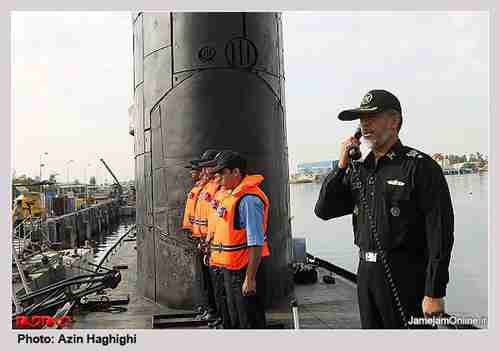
(414, 154)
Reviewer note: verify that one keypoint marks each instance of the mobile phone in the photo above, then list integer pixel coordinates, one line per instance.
(353, 150)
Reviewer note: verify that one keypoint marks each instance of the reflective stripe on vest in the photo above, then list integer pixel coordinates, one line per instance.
(200, 224)
(229, 245)
(221, 247)
(212, 216)
(188, 220)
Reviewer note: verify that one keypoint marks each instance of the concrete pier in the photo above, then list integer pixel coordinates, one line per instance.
(72, 229)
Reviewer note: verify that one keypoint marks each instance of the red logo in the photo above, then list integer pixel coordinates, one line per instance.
(38, 322)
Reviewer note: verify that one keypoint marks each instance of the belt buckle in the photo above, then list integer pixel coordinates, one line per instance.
(371, 256)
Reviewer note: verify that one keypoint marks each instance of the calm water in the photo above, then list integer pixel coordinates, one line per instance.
(107, 239)
(467, 292)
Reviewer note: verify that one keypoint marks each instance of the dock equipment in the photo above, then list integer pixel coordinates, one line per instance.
(119, 186)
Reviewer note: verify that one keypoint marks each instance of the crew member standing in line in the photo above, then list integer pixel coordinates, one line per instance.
(216, 269)
(240, 240)
(188, 223)
(402, 217)
(188, 220)
(199, 231)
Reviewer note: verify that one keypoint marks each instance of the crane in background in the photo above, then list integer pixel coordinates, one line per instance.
(119, 187)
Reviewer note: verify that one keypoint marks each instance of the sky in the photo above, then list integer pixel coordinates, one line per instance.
(72, 84)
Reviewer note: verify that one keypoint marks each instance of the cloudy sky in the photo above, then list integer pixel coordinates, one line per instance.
(72, 81)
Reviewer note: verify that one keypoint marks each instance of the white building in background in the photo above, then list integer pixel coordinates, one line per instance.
(316, 167)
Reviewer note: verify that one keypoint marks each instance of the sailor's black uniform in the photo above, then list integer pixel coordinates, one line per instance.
(411, 207)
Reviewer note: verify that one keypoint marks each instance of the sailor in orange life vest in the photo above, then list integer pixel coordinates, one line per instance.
(239, 241)
(216, 270)
(187, 222)
(197, 206)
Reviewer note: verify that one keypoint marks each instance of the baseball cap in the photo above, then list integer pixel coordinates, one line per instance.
(193, 167)
(226, 159)
(207, 155)
(374, 101)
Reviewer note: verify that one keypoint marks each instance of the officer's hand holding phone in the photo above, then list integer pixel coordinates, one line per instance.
(346, 146)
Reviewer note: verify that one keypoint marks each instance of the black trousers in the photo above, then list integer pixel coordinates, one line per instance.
(217, 275)
(377, 305)
(245, 312)
(205, 290)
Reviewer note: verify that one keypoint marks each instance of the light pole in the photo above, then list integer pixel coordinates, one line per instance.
(41, 164)
(96, 174)
(85, 182)
(67, 170)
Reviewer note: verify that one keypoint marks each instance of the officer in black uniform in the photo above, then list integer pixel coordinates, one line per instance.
(402, 218)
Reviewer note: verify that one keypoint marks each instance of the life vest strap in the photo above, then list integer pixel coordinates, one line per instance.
(238, 247)
(203, 222)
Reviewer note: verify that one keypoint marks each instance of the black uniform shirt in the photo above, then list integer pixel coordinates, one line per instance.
(410, 202)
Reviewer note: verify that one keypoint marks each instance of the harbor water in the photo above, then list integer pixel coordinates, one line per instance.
(467, 292)
(106, 239)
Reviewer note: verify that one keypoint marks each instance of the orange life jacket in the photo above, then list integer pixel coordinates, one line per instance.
(221, 194)
(188, 220)
(212, 216)
(202, 208)
(229, 246)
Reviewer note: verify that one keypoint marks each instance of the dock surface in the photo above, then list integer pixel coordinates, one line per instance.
(321, 305)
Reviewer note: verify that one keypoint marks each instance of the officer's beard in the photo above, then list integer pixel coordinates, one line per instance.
(380, 141)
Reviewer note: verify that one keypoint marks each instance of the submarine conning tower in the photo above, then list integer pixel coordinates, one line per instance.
(205, 80)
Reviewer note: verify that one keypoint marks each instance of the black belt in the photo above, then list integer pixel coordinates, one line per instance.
(369, 256)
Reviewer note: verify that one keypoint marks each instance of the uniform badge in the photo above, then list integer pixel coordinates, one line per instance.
(395, 182)
(356, 210)
(395, 211)
(391, 155)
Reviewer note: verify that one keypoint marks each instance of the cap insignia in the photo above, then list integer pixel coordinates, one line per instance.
(366, 99)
